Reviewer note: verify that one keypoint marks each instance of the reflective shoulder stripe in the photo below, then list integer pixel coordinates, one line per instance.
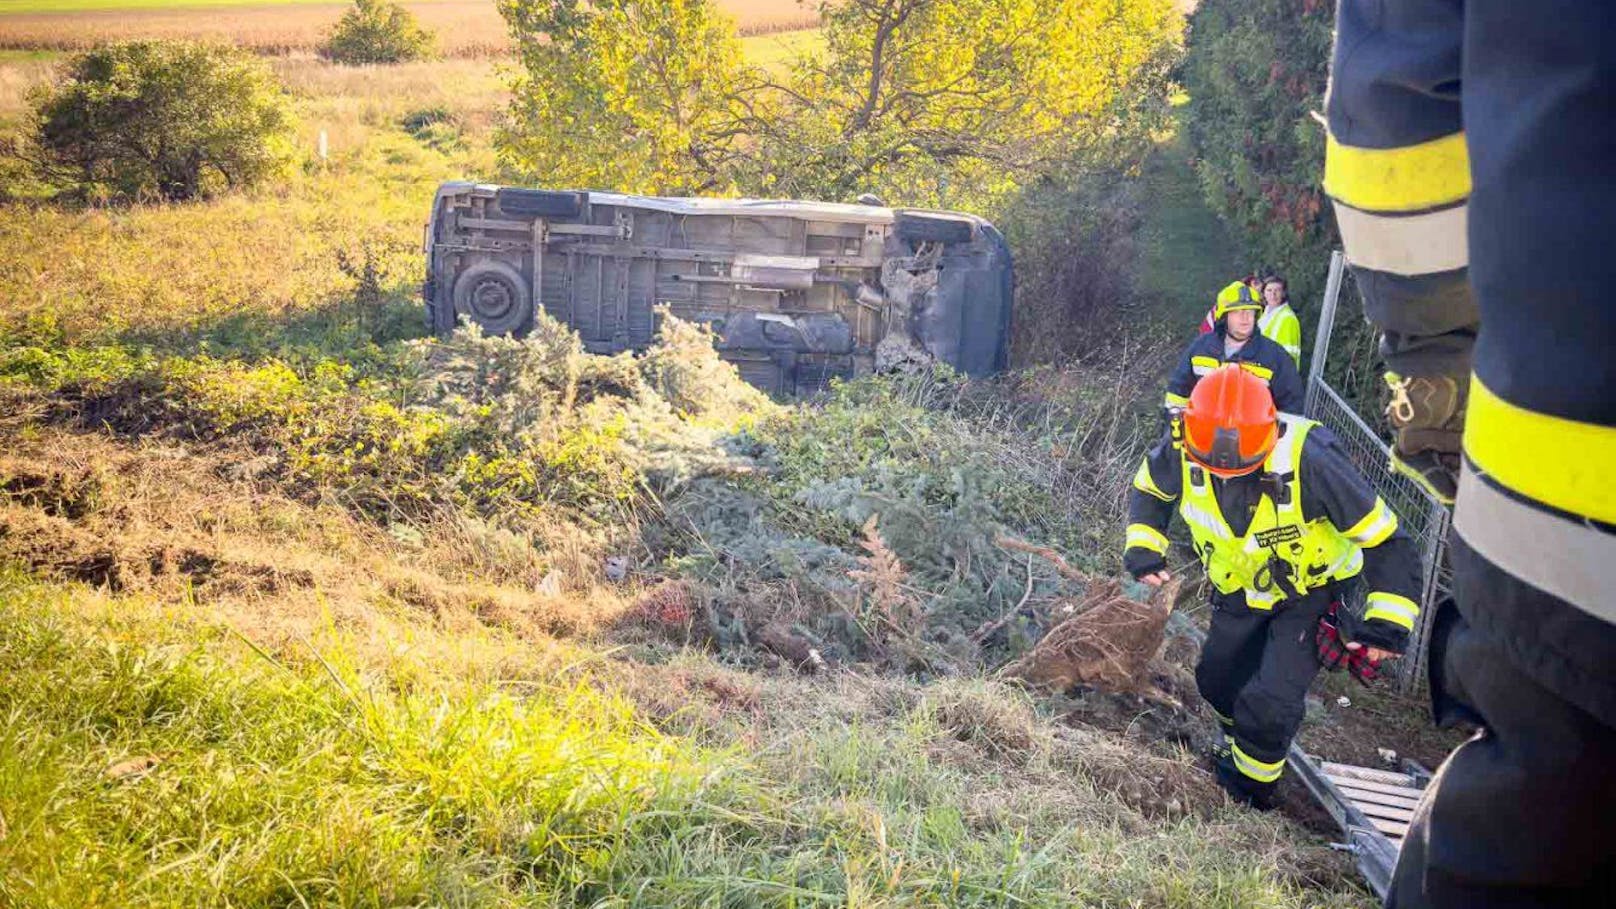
(1204, 365)
(1144, 536)
(1257, 369)
(1293, 430)
(1400, 611)
(1408, 244)
(1408, 179)
(1562, 463)
(1145, 483)
(1375, 527)
(1570, 560)
(1261, 771)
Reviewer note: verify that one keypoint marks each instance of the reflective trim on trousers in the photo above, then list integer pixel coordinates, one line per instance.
(1261, 771)
(1573, 561)
(1565, 464)
(1405, 244)
(1412, 178)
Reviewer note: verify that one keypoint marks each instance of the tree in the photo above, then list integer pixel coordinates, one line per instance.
(634, 95)
(959, 101)
(1255, 71)
(174, 120)
(923, 101)
(376, 31)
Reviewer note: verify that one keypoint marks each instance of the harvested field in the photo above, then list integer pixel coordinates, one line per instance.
(465, 28)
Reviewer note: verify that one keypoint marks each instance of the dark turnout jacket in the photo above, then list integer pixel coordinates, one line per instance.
(1264, 358)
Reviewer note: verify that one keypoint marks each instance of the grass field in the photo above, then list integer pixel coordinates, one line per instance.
(465, 28)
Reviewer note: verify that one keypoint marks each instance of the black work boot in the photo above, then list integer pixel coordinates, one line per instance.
(1428, 413)
(1244, 791)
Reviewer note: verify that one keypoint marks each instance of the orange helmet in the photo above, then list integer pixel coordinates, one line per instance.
(1230, 424)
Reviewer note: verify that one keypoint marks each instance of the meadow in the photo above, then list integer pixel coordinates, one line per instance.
(298, 606)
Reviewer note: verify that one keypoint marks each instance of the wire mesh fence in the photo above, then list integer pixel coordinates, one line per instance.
(1351, 412)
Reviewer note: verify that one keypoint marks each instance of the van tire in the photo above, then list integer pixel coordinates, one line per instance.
(495, 296)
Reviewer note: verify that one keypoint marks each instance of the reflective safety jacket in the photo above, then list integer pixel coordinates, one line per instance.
(1265, 359)
(1470, 146)
(1305, 520)
(1281, 326)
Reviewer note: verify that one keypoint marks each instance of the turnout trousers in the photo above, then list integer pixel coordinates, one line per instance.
(1523, 814)
(1255, 669)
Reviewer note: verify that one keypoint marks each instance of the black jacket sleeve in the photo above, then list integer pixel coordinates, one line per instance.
(1151, 501)
(1335, 489)
(1181, 382)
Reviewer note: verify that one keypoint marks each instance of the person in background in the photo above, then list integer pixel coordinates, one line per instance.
(1278, 322)
(1234, 339)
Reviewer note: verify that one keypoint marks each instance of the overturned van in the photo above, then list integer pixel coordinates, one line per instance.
(797, 292)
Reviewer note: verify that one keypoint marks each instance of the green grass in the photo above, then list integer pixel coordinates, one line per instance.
(308, 778)
(1187, 254)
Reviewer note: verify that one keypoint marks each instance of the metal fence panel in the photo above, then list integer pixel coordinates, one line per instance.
(1420, 514)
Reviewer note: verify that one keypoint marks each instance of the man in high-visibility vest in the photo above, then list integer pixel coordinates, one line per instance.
(1235, 339)
(1470, 160)
(1281, 520)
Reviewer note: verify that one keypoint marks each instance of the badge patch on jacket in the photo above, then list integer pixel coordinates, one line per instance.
(1277, 535)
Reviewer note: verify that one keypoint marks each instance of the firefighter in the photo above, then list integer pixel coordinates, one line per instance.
(1235, 339)
(1281, 521)
(1470, 148)
(1278, 322)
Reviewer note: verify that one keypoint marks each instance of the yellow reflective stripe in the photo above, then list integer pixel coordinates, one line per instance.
(1178, 402)
(1146, 483)
(1409, 179)
(1204, 365)
(1225, 720)
(1562, 463)
(1261, 372)
(1261, 771)
(1398, 610)
(1144, 536)
(1375, 527)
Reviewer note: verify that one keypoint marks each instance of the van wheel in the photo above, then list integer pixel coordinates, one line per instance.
(495, 296)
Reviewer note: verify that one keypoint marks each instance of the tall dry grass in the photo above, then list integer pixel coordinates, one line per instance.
(465, 28)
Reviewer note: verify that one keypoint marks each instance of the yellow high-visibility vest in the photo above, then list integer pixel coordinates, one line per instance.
(1306, 554)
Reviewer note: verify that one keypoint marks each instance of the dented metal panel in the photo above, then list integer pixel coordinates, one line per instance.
(797, 292)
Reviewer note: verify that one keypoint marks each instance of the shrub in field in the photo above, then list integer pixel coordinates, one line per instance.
(376, 31)
(172, 120)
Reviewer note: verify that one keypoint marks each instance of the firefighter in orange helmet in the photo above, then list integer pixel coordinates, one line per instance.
(1285, 526)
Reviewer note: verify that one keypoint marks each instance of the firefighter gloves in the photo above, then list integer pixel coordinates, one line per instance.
(1333, 652)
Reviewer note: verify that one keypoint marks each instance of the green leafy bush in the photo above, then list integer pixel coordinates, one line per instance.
(1255, 71)
(376, 31)
(165, 119)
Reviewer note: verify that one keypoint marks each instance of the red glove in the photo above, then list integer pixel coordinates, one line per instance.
(1333, 652)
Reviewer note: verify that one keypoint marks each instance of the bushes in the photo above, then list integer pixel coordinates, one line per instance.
(164, 119)
(1255, 70)
(376, 31)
